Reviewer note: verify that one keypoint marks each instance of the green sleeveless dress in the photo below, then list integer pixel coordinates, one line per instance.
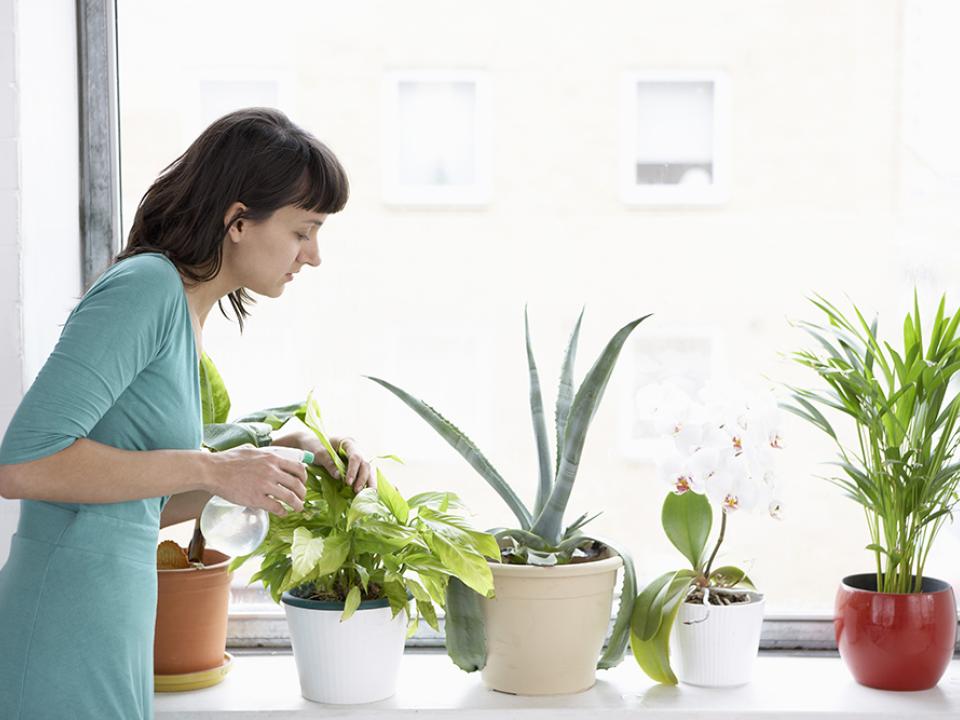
(78, 592)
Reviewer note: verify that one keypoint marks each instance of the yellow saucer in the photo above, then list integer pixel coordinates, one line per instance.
(194, 680)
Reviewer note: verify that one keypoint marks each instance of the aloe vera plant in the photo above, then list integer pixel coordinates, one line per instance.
(541, 538)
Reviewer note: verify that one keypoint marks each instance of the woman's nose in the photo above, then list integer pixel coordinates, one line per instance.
(310, 253)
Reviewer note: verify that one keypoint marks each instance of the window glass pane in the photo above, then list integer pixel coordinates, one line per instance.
(675, 129)
(436, 133)
(842, 181)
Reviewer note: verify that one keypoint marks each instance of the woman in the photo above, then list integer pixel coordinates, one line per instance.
(104, 448)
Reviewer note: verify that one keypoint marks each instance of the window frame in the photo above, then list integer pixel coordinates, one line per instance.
(401, 195)
(99, 125)
(634, 194)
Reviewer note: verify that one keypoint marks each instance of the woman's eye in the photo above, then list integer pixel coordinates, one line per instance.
(301, 236)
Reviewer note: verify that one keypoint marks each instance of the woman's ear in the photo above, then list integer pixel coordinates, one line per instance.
(230, 222)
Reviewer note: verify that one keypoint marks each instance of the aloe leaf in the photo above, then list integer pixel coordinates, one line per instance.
(617, 645)
(463, 445)
(522, 537)
(585, 403)
(565, 390)
(579, 523)
(539, 424)
(464, 627)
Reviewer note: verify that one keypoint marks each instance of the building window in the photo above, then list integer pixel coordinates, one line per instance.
(435, 139)
(673, 139)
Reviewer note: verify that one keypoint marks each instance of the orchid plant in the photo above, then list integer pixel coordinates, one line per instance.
(720, 456)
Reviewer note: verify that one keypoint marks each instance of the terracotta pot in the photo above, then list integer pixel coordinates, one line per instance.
(895, 641)
(546, 626)
(191, 630)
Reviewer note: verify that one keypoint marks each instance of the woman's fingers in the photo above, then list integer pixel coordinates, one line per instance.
(353, 467)
(275, 508)
(324, 460)
(364, 476)
(280, 492)
(296, 469)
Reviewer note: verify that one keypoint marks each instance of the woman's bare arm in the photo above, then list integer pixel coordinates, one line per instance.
(183, 507)
(91, 472)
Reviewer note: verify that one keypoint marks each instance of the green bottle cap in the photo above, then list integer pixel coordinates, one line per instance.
(308, 457)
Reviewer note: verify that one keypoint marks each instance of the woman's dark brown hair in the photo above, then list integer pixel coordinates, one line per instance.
(255, 156)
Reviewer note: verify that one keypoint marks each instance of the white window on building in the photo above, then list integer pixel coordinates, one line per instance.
(216, 92)
(435, 139)
(673, 139)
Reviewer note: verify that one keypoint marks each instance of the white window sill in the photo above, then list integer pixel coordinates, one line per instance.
(266, 686)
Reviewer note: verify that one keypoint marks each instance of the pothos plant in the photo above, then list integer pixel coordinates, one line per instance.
(720, 457)
(347, 546)
(541, 538)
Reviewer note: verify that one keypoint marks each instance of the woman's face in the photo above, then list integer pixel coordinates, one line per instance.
(264, 256)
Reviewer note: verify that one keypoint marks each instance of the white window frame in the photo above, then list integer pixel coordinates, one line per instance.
(397, 193)
(633, 193)
(194, 120)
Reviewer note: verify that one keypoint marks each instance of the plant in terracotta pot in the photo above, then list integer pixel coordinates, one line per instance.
(895, 627)
(721, 460)
(193, 589)
(543, 632)
(348, 567)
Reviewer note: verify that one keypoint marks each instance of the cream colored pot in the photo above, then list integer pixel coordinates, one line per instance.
(546, 626)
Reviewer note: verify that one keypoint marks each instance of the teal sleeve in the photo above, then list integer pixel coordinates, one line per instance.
(116, 330)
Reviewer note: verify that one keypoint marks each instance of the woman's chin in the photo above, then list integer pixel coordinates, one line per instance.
(270, 292)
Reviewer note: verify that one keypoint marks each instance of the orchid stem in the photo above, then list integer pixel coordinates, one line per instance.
(713, 555)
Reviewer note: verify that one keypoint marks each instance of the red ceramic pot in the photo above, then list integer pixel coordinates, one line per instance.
(895, 641)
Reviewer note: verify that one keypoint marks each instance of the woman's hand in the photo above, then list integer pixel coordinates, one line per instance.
(258, 478)
(295, 433)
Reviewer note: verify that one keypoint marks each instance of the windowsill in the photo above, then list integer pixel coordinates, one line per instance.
(266, 686)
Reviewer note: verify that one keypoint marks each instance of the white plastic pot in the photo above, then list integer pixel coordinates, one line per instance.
(329, 653)
(546, 626)
(716, 645)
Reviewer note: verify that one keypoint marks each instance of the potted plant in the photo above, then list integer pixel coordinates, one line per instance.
(545, 628)
(347, 566)
(720, 459)
(193, 588)
(895, 628)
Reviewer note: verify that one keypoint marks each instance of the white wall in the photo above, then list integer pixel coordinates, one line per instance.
(11, 350)
(39, 196)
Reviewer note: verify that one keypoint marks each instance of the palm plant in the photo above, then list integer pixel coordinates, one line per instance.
(541, 538)
(905, 415)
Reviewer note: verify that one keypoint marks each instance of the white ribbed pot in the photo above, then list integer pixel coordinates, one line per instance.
(546, 626)
(716, 645)
(349, 662)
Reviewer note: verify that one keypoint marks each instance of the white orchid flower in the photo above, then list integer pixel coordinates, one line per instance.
(675, 471)
(732, 488)
(764, 417)
(704, 464)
